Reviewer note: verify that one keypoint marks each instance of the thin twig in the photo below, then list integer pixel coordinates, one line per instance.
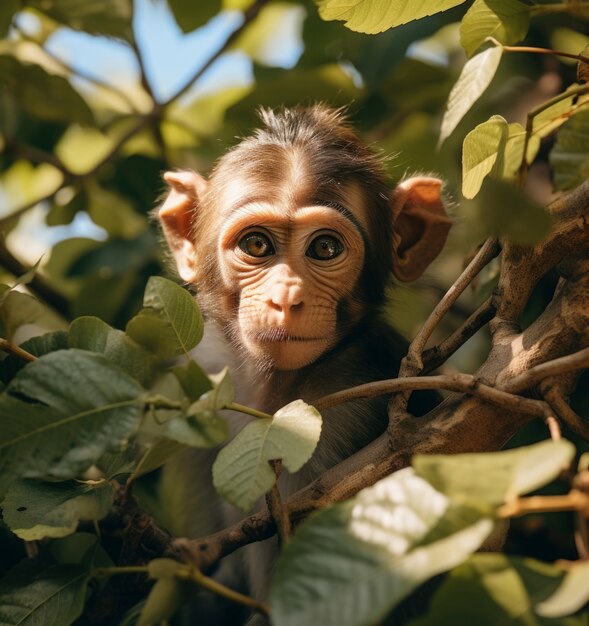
(276, 507)
(434, 357)
(11, 348)
(248, 17)
(553, 428)
(569, 363)
(573, 501)
(464, 383)
(564, 412)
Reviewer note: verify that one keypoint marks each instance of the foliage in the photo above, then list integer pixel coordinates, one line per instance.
(99, 388)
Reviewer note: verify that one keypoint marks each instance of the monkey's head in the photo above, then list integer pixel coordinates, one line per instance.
(293, 237)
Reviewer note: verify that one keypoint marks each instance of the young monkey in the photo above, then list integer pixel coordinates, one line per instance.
(292, 241)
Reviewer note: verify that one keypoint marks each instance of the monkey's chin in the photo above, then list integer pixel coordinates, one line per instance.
(287, 354)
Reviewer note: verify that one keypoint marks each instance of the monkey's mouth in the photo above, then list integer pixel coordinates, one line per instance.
(280, 335)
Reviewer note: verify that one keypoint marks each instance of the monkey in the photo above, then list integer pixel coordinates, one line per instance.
(291, 243)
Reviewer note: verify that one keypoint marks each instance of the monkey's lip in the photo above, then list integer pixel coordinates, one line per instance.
(280, 335)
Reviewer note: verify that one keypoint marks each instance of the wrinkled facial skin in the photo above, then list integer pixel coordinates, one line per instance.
(292, 266)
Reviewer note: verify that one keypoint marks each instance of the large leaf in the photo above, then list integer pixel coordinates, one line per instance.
(241, 472)
(17, 309)
(91, 333)
(350, 564)
(476, 76)
(552, 117)
(99, 17)
(170, 322)
(375, 16)
(493, 477)
(41, 94)
(34, 510)
(189, 15)
(570, 156)
(505, 20)
(571, 596)
(84, 406)
(495, 589)
(35, 592)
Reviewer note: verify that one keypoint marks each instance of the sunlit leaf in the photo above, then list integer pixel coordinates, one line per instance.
(365, 555)
(505, 20)
(493, 477)
(375, 16)
(170, 322)
(33, 509)
(242, 473)
(476, 76)
(569, 157)
(43, 95)
(571, 596)
(104, 17)
(189, 15)
(81, 149)
(35, 592)
(552, 117)
(494, 589)
(481, 150)
(84, 406)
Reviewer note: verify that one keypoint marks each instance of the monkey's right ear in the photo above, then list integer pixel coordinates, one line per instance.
(176, 216)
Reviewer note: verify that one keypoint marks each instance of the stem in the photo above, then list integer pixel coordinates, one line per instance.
(234, 406)
(161, 402)
(217, 588)
(277, 508)
(558, 7)
(560, 53)
(11, 348)
(573, 501)
(99, 572)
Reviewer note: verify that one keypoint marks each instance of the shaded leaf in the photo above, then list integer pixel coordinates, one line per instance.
(107, 17)
(170, 323)
(91, 333)
(41, 94)
(35, 592)
(193, 380)
(505, 20)
(17, 309)
(7, 9)
(494, 589)
(375, 16)
(476, 76)
(365, 555)
(583, 66)
(84, 407)
(569, 157)
(189, 15)
(570, 597)
(241, 472)
(164, 599)
(157, 454)
(34, 510)
(494, 477)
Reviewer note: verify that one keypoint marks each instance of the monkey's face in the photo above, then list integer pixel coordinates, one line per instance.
(290, 269)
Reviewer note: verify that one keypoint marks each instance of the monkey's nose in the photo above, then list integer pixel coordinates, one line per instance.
(286, 298)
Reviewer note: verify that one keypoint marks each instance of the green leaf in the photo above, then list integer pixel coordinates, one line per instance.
(157, 454)
(476, 76)
(351, 563)
(494, 589)
(104, 17)
(18, 309)
(189, 15)
(41, 94)
(7, 9)
(84, 406)
(569, 157)
(505, 20)
(193, 380)
(571, 596)
(494, 477)
(35, 592)
(553, 117)
(505, 211)
(91, 333)
(481, 149)
(171, 323)
(34, 510)
(241, 472)
(376, 16)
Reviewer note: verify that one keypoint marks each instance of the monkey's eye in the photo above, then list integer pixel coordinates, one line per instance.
(324, 248)
(256, 244)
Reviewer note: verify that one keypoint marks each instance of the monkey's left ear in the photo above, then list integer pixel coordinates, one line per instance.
(176, 216)
(420, 226)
